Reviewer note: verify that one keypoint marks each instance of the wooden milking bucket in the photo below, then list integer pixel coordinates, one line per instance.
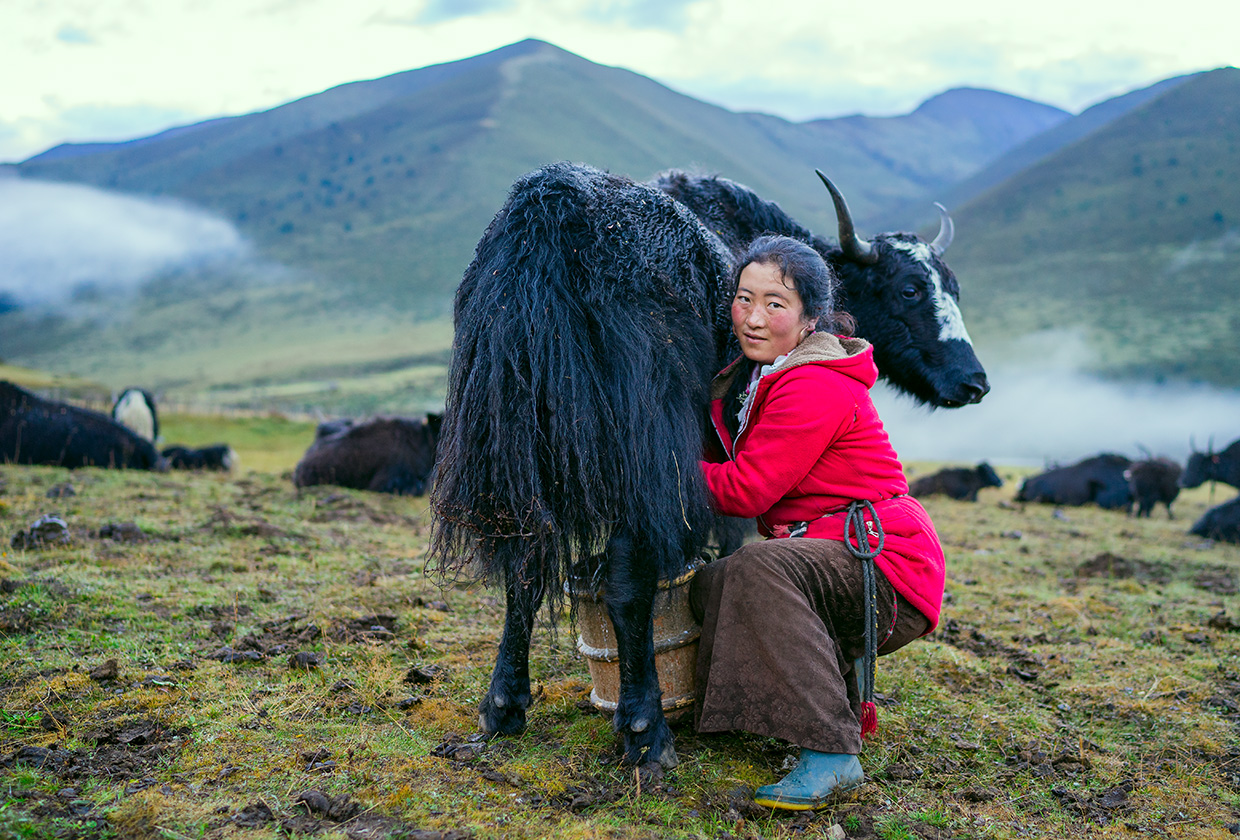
(676, 636)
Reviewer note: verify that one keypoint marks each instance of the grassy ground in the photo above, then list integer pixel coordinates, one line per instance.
(1084, 681)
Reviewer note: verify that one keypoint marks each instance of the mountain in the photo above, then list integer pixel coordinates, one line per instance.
(915, 213)
(374, 194)
(1129, 236)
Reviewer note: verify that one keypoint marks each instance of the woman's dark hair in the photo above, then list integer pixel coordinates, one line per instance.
(801, 266)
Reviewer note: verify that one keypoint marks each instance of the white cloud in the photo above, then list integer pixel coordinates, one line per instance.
(57, 237)
(1046, 409)
(798, 58)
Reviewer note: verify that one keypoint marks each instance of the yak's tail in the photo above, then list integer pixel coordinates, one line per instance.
(575, 394)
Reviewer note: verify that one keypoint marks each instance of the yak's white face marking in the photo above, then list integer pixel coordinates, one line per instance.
(133, 412)
(946, 312)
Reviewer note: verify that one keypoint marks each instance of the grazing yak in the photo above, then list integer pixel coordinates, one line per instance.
(1220, 523)
(1099, 479)
(135, 409)
(587, 329)
(38, 431)
(218, 456)
(957, 482)
(1213, 466)
(385, 454)
(1152, 481)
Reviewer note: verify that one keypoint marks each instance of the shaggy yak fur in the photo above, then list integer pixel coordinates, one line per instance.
(38, 431)
(386, 455)
(1220, 523)
(958, 482)
(1152, 481)
(1099, 479)
(1213, 466)
(587, 329)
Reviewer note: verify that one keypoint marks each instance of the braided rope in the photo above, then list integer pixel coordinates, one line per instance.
(854, 526)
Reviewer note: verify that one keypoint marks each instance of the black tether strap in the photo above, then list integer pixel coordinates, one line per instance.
(854, 526)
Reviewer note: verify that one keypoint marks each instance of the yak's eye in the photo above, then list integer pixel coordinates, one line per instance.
(910, 292)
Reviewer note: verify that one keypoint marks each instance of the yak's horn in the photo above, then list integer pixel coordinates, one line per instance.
(947, 231)
(855, 248)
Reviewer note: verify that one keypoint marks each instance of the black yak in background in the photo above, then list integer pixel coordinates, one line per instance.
(1213, 466)
(385, 454)
(38, 431)
(217, 456)
(587, 329)
(1099, 479)
(1152, 481)
(957, 482)
(1221, 522)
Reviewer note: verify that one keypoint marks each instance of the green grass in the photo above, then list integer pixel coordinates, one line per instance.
(1131, 679)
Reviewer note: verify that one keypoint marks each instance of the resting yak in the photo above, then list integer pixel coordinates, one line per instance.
(217, 456)
(38, 431)
(957, 482)
(386, 455)
(1221, 522)
(1099, 479)
(588, 327)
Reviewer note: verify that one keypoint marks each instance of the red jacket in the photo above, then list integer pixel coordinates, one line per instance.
(811, 443)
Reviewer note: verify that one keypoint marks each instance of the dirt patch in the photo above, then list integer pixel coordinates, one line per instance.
(224, 520)
(124, 750)
(1024, 664)
(339, 507)
(1108, 565)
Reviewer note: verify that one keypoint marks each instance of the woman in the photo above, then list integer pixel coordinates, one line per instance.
(784, 619)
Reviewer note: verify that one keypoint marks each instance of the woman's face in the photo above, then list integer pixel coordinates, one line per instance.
(767, 316)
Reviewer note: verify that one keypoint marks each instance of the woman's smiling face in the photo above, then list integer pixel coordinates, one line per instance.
(767, 315)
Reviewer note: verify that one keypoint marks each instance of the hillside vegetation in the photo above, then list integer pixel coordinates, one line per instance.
(218, 656)
(1130, 235)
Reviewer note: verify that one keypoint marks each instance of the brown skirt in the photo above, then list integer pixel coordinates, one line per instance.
(782, 624)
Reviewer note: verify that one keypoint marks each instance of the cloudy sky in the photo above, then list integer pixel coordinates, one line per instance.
(81, 70)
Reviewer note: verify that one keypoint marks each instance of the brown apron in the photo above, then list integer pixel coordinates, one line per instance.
(782, 623)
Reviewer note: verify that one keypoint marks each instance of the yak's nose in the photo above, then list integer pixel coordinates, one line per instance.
(973, 389)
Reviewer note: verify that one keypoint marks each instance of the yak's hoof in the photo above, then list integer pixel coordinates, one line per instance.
(496, 719)
(668, 757)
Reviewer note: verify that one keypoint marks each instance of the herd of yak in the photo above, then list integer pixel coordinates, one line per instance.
(397, 455)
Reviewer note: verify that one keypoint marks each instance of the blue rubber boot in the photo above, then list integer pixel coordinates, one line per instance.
(812, 782)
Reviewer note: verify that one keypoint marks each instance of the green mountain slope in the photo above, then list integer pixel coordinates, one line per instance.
(375, 193)
(1130, 236)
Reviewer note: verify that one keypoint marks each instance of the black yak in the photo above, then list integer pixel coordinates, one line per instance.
(38, 431)
(1221, 522)
(587, 329)
(1152, 481)
(1213, 466)
(1099, 479)
(957, 482)
(218, 456)
(385, 454)
(135, 409)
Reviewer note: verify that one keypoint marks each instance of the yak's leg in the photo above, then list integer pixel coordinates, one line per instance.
(632, 581)
(502, 711)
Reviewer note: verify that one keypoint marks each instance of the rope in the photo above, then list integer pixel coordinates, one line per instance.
(854, 526)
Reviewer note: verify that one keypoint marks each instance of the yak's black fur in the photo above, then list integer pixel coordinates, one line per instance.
(38, 431)
(1151, 481)
(217, 456)
(1220, 523)
(384, 454)
(588, 327)
(1213, 466)
(1099, 479)
(957, 482)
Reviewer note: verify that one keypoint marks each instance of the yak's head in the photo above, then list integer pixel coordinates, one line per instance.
(1201, 466)
(904, 299)
(988, 476)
